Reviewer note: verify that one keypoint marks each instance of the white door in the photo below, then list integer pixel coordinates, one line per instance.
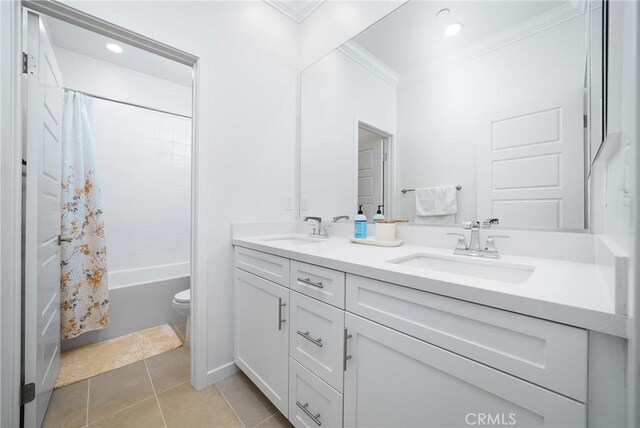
(394, 380)
(531, 163)
(370, 171)
(262, 335)
(43, 150)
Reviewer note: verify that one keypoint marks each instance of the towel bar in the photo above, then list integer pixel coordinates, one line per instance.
(458, 187)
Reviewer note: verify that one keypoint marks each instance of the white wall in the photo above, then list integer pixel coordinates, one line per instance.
(438, 130)
(97, 77)
(144, 168)
(336, 93)
(247, 130)
(336, 22)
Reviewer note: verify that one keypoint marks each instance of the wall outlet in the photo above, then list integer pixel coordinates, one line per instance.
(288, 203)
(305, 203)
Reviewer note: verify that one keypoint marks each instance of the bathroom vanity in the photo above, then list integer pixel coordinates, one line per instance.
(340, 334)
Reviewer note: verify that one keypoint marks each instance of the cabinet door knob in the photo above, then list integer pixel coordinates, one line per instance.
(305, 408)
(346, 357)
(306, 335)
(312, 283)
(280, 306)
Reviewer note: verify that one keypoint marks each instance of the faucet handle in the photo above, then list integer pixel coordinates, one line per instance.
(462, 241)
(314, 229)
(490, 246)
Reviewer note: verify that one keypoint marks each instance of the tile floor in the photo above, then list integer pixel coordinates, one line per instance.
(156, 393)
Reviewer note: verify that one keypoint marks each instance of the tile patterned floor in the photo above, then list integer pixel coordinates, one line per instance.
(156, 393)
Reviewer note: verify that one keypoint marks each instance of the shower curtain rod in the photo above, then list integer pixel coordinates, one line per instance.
(126, 103)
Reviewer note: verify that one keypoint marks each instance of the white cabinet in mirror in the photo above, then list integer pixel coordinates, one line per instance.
(500, 109)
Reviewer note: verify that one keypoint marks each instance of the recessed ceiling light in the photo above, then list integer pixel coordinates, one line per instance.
(442, 13)
(114, 48)
(453, 29)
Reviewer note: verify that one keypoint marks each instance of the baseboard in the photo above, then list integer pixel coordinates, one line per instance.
(221, 372)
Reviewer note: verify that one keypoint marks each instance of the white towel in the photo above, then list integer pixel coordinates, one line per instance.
(436, 204)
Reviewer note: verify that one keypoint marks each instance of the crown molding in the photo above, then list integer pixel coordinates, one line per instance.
(363, 57)
(504, 38)
(296, 14)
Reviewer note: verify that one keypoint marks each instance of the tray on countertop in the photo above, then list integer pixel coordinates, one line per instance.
(373, 241)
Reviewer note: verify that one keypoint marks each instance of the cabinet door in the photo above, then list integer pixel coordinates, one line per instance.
(262, 335)
(395, 380)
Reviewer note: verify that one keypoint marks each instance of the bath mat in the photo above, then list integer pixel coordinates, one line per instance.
(91, 360)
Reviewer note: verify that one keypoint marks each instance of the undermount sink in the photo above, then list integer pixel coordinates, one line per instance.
(467, 266)
(292, 240)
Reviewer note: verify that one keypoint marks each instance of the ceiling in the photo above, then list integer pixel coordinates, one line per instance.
(413, 37)
(85, 42)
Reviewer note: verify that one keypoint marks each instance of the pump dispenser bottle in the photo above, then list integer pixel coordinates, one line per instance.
(379, 215)
(360, 225)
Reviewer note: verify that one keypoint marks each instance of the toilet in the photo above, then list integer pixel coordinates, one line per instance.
(182, 305)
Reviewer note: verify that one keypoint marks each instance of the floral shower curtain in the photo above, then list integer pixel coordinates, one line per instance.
(84, 299)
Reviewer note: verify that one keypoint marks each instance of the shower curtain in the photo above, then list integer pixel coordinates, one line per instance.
(84, 299)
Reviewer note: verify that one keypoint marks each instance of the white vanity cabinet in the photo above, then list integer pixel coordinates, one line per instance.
(330, 348)
(395, 380)
(262, 335)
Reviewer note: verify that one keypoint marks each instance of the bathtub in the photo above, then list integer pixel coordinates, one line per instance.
(130, 277)
(138, 299)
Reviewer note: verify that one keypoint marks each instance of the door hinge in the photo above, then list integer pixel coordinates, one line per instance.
(28, 393)
(29, 65)
(585, 121)
(385, 157)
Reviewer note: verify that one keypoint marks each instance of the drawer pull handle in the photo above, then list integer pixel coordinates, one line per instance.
(346, 357)
(306, 335)
(280, 306)
(309, 282)
(304, 408)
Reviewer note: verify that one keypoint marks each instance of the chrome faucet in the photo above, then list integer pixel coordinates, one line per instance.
(318, 231)
(474, 248)
(474, 238)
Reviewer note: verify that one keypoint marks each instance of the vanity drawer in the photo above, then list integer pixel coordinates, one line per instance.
(312, 403)
(326, 285)
(545, 353)
(264, 265)
(316, 337)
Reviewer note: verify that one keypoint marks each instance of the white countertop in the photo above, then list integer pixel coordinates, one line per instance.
(561, 291)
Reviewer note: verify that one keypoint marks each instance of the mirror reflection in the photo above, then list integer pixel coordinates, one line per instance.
(444, 112)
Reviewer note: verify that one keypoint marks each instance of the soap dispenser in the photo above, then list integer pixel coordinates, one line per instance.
(379, 215)
(360, 225)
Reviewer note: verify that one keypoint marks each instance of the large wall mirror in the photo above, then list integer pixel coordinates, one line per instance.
(499, 100)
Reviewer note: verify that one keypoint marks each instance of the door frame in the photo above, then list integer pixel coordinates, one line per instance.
(11, 40)
(388, 166)
(10, 211)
